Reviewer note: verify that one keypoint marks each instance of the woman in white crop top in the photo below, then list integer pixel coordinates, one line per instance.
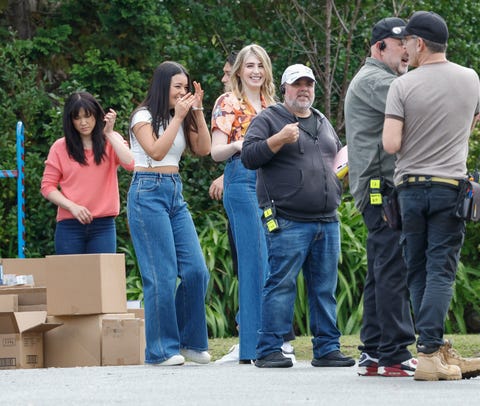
(163, 234)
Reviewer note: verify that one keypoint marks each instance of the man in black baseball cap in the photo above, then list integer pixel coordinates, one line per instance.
(387, 327)
(428, 25)
(390, 27)
(428, 120)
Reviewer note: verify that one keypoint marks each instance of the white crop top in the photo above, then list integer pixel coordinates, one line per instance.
(140, 156)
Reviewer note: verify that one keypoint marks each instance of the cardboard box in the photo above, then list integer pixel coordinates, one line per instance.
(21, 339)
(86, 284)
(8, 303)
(32, 308)
(78, 342)
(139, 313)
(27, 266)
(123, 341)
(27, 295)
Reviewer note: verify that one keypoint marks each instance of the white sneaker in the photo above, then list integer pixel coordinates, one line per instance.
(291, 356)
(173, 360)
(287, 348)
(289, 351)
(233, 355)
(200, 357)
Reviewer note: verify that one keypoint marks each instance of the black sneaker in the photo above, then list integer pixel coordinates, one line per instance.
(334, 359)
(274, 360)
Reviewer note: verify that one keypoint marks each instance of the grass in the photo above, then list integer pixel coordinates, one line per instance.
(467, 345)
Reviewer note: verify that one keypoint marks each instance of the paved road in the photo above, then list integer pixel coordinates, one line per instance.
(227, 384)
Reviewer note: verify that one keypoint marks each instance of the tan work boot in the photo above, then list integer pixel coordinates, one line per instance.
(470, 367)
(432, 367)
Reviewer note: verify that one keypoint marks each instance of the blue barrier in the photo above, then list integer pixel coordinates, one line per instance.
(19, 173)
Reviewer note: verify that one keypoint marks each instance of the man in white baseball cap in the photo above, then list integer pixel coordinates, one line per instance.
(297, 71)
(293, 146)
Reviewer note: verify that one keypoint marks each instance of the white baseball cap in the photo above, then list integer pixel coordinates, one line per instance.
(295, 72)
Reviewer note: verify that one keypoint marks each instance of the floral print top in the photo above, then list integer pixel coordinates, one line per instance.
(232, 116)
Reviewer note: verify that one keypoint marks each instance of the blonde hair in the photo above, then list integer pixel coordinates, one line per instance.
(268, 88)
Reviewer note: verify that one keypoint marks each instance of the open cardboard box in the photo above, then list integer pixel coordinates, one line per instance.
(21, 339)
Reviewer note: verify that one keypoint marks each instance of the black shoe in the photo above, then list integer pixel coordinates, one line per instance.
(334, 359)
(274, 360)
(245, 361)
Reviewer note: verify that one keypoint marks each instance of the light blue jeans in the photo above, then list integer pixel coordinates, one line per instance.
(241, 204)
(172, 266)
(313, 247)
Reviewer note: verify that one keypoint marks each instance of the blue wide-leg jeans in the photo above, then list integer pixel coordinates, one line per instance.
(172, 266)
(241, 204)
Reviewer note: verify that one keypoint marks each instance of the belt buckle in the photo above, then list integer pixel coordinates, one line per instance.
(428, 181)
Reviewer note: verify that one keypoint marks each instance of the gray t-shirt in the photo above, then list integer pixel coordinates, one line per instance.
(364, 117)
(437, 103)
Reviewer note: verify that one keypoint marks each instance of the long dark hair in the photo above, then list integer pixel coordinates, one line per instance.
(85, 101)
(158, 96)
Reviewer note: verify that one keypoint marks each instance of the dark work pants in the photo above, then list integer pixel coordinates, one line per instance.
(433, 237)
(387, 327)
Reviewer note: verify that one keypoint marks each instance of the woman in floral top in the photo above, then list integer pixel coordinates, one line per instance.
(252, 91)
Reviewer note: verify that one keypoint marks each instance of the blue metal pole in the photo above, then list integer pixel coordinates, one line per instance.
(21, 190)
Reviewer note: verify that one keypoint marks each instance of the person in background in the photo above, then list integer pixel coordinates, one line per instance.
(293, 147)
(252, 90)
(80, 177)
(216, 193)
(387, 326)
(172, 266)
(428, 120)
(216, 187)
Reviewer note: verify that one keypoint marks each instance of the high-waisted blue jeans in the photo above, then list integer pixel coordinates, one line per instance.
(172, 266)
(241, 204)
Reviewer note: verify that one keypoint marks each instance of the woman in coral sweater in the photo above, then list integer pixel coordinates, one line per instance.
(80, 177)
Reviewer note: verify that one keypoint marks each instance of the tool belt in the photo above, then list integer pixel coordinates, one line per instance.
(384, 194)
(426, 180)
(468, 203)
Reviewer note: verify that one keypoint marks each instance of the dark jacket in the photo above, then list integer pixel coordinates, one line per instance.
(299, 178)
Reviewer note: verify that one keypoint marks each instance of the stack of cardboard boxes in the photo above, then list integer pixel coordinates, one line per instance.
(88, 323)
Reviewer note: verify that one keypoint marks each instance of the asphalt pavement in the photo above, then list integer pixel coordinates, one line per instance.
(226, 384)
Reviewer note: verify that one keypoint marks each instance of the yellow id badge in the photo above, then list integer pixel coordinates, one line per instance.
(375, 199)
(375, 195)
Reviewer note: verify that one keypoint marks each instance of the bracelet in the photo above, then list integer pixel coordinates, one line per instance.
(197, 108)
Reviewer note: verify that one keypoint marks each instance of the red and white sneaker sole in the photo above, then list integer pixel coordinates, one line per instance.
(394, 371)
(368, 371)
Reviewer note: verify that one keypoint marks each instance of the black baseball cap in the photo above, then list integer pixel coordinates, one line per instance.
(428, 25)
(390, 27)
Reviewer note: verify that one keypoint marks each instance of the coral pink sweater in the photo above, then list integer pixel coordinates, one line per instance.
(93, 186)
